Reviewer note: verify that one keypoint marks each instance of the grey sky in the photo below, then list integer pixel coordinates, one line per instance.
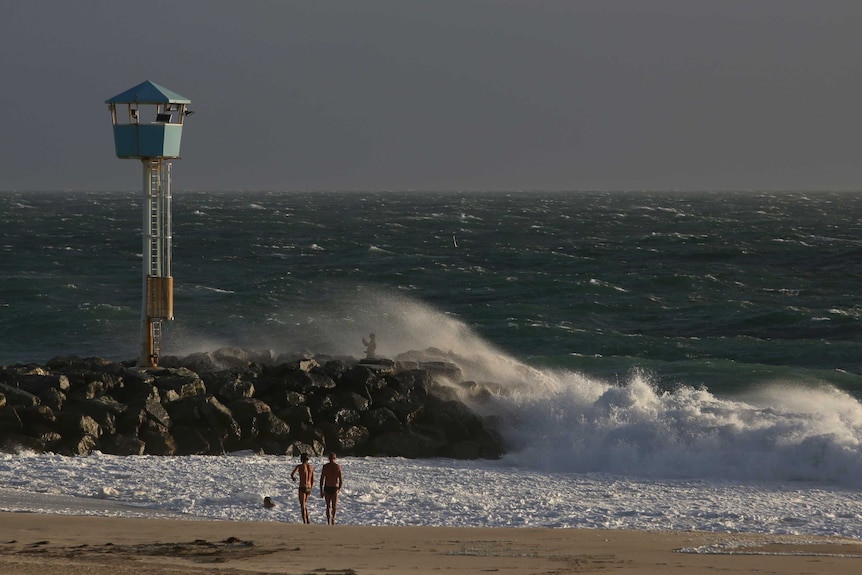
(442, 94)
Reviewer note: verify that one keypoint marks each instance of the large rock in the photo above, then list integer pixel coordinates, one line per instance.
(10, 422)
(135, 388)
(76, 425)
(455, 419)
(120, 444)
(381, 420)
(190, 441)
(217, 416)
(413, 382)
(156, 412)
(183, 381)
(15, 396)
(296, 416)
(106, 411)
(235, 388)
(274, 429)
(157, 438)
(362, 380)
(83, 445)
(53, 398)
(250, 414)
(352, 439)
(37, 420)
(407, 444)
(187, 411)
(39, 384)
(98, 408)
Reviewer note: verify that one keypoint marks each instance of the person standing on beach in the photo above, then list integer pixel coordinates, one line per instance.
(306, 481)
(331, 480)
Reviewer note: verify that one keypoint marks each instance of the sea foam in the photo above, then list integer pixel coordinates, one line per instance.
(566, 421)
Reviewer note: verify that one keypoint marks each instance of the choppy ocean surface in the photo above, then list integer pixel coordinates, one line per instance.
(666, 360)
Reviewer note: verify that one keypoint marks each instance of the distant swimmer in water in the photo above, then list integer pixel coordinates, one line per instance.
(268, 503)
(370, 346)
(306, 482)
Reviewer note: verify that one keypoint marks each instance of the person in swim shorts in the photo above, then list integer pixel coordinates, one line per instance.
(306, 481)
(331, 480)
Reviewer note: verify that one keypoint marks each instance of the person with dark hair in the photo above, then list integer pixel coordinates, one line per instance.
(331, 480)
(306, 481)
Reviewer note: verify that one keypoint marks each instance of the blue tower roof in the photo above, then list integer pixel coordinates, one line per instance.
(148, 93)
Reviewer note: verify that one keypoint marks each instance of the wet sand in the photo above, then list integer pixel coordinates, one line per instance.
(74, 545)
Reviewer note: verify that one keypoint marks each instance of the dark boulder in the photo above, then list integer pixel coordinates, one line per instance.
(120, 444)
(352, 439)
(157, 413)
(455, 419)
(381, 420)
(407, 444)
(235, 388)
(75, 425)
(412, 383)
(77, 445)
(274, 429)
(158, 440)
(296, 415)
(187, 411)
(135, 388)
(218, 417)
(352, 401)
(183, 381)
(53, 398)
(19, 397)
(98, 408)
(335, 368)
(10, 422)
(37, 420)
(39, 384)
(362, 380)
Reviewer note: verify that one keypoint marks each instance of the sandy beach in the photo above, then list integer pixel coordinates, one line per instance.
(37, 544)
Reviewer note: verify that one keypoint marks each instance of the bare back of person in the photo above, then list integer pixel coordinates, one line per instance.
(305, 473)
(331, 480)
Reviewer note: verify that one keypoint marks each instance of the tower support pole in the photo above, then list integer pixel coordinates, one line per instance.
(157, 289)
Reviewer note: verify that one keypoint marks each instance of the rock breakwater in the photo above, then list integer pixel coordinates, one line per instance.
(233, 399)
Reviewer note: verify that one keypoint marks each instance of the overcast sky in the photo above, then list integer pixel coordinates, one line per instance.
(442, 94)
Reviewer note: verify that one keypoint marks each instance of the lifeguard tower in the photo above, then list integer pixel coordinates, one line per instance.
(148, 126)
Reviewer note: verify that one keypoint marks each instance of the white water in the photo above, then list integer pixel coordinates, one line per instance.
(392, 491)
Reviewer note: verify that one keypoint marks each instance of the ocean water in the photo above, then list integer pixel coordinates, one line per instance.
(665, 360)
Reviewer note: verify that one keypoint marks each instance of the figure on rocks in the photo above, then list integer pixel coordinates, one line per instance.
(370, 346)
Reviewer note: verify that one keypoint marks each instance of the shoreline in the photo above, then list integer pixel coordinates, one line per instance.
(32, 543)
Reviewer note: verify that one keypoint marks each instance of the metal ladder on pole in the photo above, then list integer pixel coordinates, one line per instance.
(153, 232)
(156, 331)
(155, 235)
